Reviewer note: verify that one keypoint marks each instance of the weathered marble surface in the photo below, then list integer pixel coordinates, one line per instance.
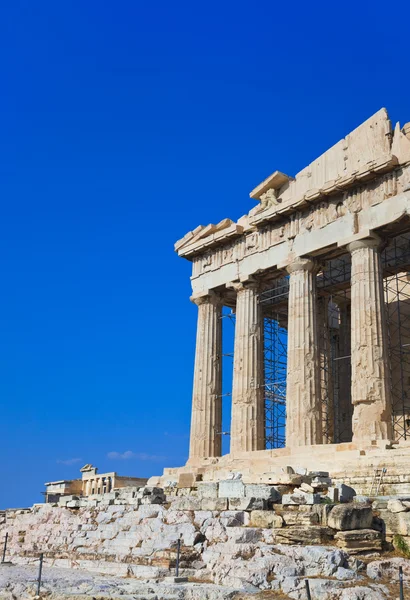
(240, 550)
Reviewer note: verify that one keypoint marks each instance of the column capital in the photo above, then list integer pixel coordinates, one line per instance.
(370, 242)
(244, 284)
(302, 264)
(208, 297)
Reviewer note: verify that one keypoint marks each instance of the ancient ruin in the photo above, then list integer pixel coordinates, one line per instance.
(315, 487)
(316, 276)
(91, 483)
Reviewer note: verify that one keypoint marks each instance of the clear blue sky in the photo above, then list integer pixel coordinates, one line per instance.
(123, 126)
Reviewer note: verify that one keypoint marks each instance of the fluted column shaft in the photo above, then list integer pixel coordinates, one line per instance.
(248, 415)
(370, 385)
(303, 400)
(206, 419)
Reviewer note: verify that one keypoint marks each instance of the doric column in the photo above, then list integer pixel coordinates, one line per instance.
(206, 421)
(370, 386)
(344, 374)
(248, 415)
(326, 374)
(303, 401)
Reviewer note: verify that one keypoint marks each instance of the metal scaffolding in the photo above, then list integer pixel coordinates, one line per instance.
(396, 262)
(274, 307)
(333, 286)
(333, 289)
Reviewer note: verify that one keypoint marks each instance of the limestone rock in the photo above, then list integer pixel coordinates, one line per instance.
(300, 497)
(306, 487)
(321, 483)
(350, 516)
(389, 569)
(234, 518)
(396, 506)
(243, 535)
(267, 492)
(247, 503)
(187, 503)
(266, 519)
(318, 474)
(186, 480)
(292, 518)
(231, 489)
(360, 540)
(364, 593)
(304, 535)
(214, 504)
(207, 489)
(289, 479)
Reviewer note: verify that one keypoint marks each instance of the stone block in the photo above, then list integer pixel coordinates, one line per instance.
(151, 491)
(187, 503)
(64, 500)
(267, 492)
(73, 504)
(154, 481)
(217, 504)
(346, 493)
(152, 500)
(301, 471)
(293, 518)
(300, 497)
(292, 480)
(304, 535)
(247, 504)
(234, 518)
(186, 480)
(361, 499)
(321, 483)
(388, 569)
(318, 474)
(396, 506)
(266, 519)
(360, 540)
(110, 496)
(244, 535)
(306, 487)
(345, 517)
(380, 504)
(231, 488)
(207, 489)
(395, 522)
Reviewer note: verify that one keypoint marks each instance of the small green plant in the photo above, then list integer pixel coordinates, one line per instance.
(401, 545)
(326, 500)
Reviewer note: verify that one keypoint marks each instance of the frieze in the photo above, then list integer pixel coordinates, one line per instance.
(312, 218)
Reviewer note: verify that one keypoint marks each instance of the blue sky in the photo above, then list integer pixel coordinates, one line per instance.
(123, 126)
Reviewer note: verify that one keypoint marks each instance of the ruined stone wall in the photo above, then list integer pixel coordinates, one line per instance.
(268, 540)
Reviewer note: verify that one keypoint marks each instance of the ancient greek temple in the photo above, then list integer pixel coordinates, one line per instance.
(321, 261)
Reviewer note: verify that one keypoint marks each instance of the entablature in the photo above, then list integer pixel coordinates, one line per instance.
(332, 199)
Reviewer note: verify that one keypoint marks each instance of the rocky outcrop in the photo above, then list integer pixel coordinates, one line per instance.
(246, 543)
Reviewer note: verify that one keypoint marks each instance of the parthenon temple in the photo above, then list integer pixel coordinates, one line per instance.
(316, 280)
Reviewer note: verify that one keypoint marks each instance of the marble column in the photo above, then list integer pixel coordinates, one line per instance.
(326, 374)
(370, 380)
(248, 414)
(303, 400)
(344, 374)
(206, 420)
